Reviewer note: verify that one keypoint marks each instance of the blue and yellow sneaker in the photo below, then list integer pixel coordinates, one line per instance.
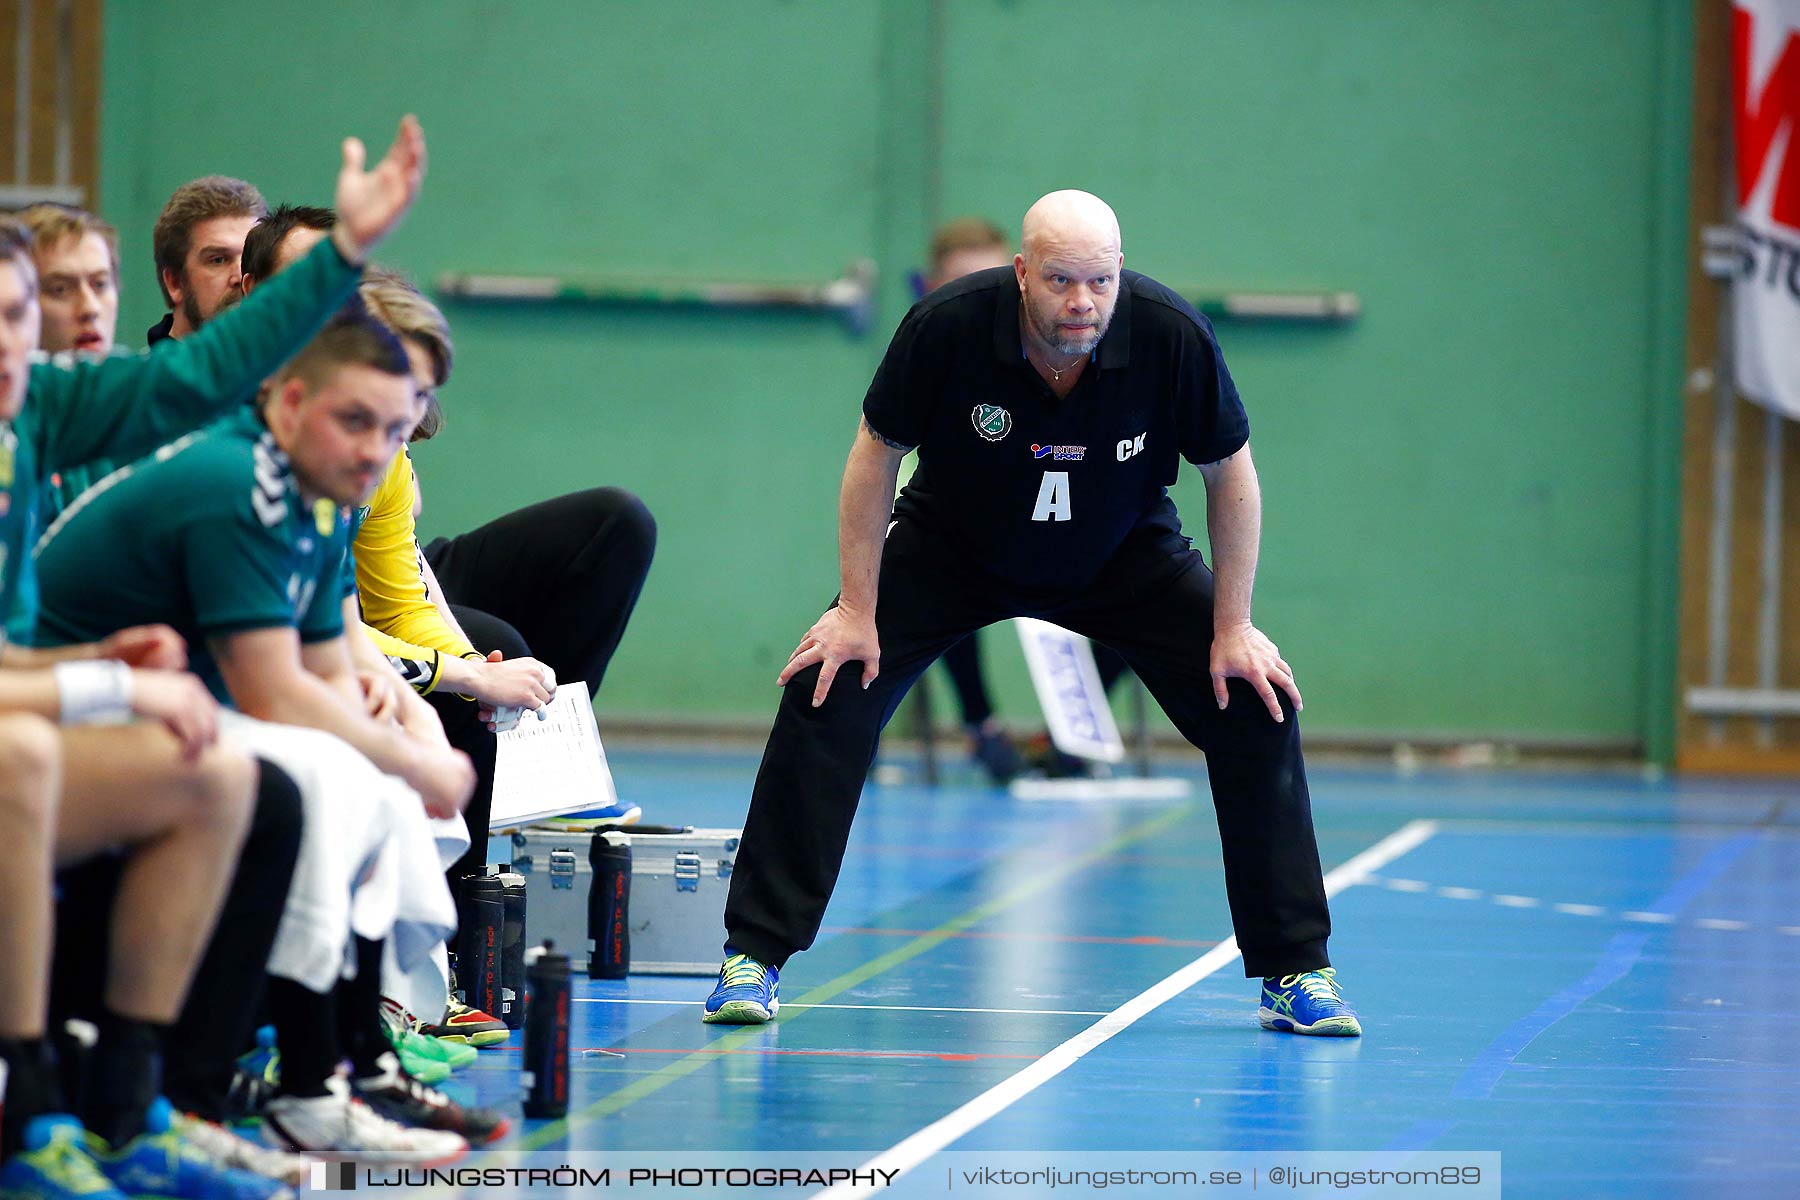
(605, 816)
(159, 1162)
(1307, 1003)
(748, 993)
(255, 1081)
(54, 1163)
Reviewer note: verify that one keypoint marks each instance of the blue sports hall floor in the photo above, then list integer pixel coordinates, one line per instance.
(1591, 974)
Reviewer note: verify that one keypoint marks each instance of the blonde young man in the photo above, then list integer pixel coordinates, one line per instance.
(77, 257)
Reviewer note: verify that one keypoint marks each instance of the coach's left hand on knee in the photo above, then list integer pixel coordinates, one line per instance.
(1242, 651)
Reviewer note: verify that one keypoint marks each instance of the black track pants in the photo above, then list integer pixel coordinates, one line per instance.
(466, 732)
(564, 573)
(1153, 603)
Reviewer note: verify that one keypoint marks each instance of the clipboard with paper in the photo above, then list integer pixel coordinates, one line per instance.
(549, 767)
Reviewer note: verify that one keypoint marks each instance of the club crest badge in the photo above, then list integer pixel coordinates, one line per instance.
(991, 421)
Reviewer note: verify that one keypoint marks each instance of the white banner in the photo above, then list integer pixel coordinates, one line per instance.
(1068, 687)
(1765, 89)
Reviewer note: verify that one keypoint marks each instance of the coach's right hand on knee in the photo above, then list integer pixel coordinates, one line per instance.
(181, 702)
(444, 780)
(842, 635)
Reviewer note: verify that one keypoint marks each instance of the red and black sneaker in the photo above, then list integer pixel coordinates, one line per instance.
(464, 1024)
(399, 1097)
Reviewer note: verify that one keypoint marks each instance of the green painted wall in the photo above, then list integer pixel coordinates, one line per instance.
(1467, 492)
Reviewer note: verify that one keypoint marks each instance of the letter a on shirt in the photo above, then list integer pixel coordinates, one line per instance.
(1053, 498)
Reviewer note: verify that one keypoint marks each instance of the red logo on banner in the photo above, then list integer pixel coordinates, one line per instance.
(1759, 117)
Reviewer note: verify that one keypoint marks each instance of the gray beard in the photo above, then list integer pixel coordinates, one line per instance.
(1060, 344)
(1083, 347)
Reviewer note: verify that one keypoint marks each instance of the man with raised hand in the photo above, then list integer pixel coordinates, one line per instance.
(118, 408)
(149, 783)
(1051, 403)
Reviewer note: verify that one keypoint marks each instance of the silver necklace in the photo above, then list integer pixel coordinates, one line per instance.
(1056, 375)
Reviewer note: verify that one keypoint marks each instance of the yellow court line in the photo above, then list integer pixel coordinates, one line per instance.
(630, 1094)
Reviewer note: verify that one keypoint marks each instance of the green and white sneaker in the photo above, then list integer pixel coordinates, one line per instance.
(430, 1059)
(422, 1056)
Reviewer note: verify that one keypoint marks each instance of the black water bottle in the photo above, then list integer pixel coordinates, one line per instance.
(483, 924)
(544, 1076)
(609, 906)
(512, 948)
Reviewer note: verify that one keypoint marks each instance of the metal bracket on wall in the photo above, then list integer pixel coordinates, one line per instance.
(17, 196)
(1723, 254)
(1743, 702)
(851, 297)
(1326, 308)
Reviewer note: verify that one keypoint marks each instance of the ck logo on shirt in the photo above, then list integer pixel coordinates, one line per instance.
(991, 421)
(1131, 447)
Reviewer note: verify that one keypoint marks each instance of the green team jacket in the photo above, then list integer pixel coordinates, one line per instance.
(63, 485)
(77, 409)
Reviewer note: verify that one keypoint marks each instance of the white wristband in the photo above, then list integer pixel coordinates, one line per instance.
(97, 690)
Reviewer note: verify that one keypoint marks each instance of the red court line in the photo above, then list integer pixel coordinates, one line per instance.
(942, 1056)
(1140, 940)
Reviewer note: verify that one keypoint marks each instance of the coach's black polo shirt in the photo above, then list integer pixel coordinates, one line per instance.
(1040, 491)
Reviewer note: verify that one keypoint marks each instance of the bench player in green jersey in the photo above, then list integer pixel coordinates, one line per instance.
(249, 569)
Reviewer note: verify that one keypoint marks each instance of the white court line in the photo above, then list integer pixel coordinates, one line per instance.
(914, 1150)
(1509, 900)
(1580, 910)
(1011, 1012)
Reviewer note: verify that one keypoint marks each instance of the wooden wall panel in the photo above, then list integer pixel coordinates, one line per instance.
(86, 44)
(9, 24)
(1734, 744)
(61, 89)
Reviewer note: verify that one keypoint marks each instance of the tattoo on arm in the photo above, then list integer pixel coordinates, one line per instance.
(885, 440)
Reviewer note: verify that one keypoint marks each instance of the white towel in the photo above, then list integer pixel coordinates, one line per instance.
(369, 858)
